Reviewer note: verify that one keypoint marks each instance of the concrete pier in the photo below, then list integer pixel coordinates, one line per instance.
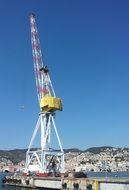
(68, 183)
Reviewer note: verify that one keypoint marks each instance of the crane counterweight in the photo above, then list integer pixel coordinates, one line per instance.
(50, 103)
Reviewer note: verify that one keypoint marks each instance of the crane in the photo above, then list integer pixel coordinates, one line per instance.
(45, 159)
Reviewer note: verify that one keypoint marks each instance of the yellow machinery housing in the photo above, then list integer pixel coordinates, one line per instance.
(49, 103)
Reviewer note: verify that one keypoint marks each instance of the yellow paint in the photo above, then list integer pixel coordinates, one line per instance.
(96, 185)
(49, 103)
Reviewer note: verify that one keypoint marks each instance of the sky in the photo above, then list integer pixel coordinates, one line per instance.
(85, 44)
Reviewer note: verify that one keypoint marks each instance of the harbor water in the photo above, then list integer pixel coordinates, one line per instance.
(108, 174)
(10, 187)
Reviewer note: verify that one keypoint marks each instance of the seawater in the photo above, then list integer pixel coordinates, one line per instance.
(108, 174)
(89, 174)
(10, 187)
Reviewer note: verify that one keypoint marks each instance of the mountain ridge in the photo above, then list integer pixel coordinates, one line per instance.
(17, 155)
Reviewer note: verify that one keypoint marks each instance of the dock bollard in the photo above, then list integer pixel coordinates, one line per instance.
(64, 185)
(75, 186)
(89, 187)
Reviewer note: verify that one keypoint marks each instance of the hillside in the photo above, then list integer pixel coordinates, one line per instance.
(18, 155)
